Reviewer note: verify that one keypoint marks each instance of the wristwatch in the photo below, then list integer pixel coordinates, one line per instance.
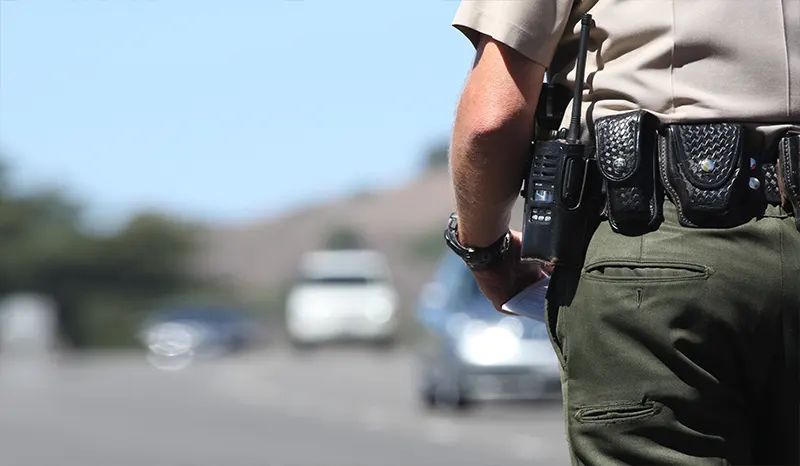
(477, 259)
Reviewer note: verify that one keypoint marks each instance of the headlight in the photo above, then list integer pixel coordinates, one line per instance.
(380, 311)
(172, 339)
(485, 345)
(313, 312)
(457, 324)
(513, 325)
(308, 309)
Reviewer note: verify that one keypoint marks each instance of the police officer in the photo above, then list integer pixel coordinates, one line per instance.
(678, 344)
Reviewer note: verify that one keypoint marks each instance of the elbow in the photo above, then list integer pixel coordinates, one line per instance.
(489, 124)
(485, 116)
(490, 128)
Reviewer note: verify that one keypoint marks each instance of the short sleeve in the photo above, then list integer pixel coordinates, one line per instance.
(531, 27)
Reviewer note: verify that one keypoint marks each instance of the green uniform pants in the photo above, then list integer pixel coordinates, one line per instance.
(680, 347)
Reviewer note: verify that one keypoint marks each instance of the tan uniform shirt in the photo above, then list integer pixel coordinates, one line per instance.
(683, 60)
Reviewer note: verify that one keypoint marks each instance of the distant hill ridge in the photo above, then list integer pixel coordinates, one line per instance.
(262, 255)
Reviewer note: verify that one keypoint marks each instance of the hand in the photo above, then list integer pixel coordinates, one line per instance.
(510, 277)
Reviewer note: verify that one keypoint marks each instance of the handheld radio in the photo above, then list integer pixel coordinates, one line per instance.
(560, 190)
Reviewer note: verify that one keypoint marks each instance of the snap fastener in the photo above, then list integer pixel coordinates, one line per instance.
(754, 183)
(619, 162)
(752, 163)
(707, 165)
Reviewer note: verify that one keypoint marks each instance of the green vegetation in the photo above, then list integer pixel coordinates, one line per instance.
(99, 282)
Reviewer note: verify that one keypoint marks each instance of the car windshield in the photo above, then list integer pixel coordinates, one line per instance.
(532, 328)
(340, 280)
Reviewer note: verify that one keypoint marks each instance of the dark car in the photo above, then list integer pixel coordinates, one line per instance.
(468, 351)
(200, 331)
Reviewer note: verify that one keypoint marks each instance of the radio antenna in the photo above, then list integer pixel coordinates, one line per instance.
(574, 134)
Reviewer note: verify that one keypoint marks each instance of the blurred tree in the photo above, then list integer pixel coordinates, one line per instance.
(437, 155)
(143, 263)
(97, 281)
(147, 256)
(344, 237)
(3, 180)
(39, 232)
(35, 232)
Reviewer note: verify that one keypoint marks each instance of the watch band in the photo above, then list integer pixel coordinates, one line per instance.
(477, 259)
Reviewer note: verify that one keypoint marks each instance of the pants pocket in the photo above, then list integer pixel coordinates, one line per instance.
(645, 271)
(611, 413)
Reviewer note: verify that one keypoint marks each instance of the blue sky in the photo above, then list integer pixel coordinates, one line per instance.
(224, 111)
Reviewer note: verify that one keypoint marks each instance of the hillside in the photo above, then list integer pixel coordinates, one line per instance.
(405, 223)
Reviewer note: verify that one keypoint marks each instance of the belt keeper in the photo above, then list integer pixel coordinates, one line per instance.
(772, 192)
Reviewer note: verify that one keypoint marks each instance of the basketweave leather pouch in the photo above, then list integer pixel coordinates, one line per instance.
(789, 174)
(627, 158)
(704, 171)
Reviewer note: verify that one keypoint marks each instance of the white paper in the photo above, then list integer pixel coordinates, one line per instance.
(530, 301)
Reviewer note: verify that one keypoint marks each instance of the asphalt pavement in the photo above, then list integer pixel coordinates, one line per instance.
(334, 407)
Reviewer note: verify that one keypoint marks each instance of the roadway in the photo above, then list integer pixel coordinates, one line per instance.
(336, 407)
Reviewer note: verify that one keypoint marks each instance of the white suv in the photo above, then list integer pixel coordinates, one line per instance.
(342, 294)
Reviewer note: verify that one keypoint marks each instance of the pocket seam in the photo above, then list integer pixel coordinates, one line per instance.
(693, 271)
(646, 410)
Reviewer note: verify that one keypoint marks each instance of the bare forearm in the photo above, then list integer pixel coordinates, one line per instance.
(487, 170)
(491, 140)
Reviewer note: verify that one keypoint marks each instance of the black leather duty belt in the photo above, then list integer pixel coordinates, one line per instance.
(714, 173)
(763, 175)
